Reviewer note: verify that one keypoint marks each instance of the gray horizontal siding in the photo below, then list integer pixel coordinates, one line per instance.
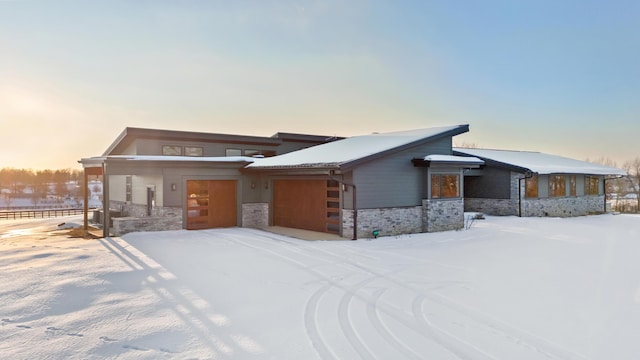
(493, 183)
(393, 181)
(154, 147)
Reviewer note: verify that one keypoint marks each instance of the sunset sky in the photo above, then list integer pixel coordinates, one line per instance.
(548, 75)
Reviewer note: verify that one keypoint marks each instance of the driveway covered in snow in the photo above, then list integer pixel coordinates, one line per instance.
(508, 288)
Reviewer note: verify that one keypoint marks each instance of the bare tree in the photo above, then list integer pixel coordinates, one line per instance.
(616, 187)
(633, 176)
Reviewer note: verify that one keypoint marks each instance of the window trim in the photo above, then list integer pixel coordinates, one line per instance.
(572, 186)
(128, 188)
(527, 182)
(177, 148)
(440, 183)
(561, 186)
(193, 151)
(587, 185)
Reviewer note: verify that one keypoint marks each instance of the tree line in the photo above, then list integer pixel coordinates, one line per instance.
(64, 182)
(623, 193)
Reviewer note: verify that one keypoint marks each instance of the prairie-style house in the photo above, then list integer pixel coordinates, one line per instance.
(390, 183)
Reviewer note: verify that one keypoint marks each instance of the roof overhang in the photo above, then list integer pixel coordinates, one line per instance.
(528, 162)
(436, 160)
(162, 161)
(130, 134)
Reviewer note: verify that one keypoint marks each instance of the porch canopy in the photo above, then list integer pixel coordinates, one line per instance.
(136, 164)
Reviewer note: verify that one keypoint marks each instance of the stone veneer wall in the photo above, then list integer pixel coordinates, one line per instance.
(125, 225)
(137, 210)
(563, 207)
(497, 207)
(388, 221)
(134, 218)
(442, 215)
(255, 215)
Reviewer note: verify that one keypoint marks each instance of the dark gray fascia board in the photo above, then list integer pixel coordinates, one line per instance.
(284, 136)
(456, 164)
(461, 129)
(116, 142)
(294, 170)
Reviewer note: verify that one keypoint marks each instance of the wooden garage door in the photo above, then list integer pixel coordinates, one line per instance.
(211, 204)
(306, 204)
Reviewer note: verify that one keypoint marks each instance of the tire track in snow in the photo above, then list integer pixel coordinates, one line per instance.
(518, 336)
(311, 323)
(311, 307)
(346, 323)
(319, 343)
(531, 341)
(446, 340)
(509, 332)
(374, 316)
(317, 339)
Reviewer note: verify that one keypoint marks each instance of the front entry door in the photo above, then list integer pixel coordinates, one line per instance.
(211, 204)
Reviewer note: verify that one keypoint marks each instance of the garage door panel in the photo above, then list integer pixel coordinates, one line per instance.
(300, 204)
(211, 204)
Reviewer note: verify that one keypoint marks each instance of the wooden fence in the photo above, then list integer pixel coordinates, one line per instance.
(44, 213)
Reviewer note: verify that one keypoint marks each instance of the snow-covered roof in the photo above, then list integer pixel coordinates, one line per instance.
(341, 152)
(540, 163)
(453, 159)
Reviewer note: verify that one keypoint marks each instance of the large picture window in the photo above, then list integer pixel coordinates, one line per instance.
(531, 187)
(557, 186)
(572, 182)
(591, 184)
(445, 186)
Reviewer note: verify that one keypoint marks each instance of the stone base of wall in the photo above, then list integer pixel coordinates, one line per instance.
(563, 207)
(125, 225)
(137, 210)
(255, 215)
(497, 207)
(442, 215)
(133, 218)
(388, 221)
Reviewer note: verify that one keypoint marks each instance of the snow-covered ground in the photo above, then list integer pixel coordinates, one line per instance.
(508, 288)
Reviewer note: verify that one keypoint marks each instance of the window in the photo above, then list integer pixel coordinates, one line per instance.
(531, 187)
(129, 188)
(193, 151)
(252, 152)
(557, 186)
(591, 185)
(445, 186)
(572, 183)
(233, 152)
(171, 150)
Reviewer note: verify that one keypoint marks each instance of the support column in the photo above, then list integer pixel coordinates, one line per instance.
(105, 202)
(92, 170)
(85, 211)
